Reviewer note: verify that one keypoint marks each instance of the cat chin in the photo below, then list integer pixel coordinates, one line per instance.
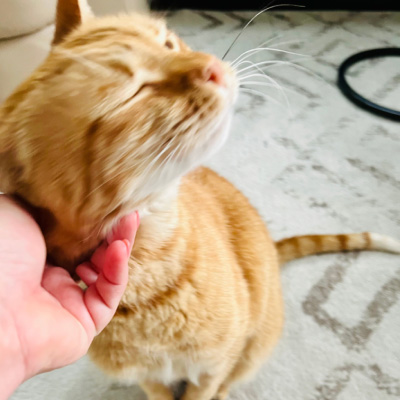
(220, 135)
(215, 138)
(159, 181)
(161, 188)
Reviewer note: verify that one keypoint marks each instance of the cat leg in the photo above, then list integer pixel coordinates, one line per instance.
(156, 391)
(206, 389)
(259, 346)
(254, 356)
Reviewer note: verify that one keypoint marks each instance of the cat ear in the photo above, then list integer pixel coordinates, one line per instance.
(70, 14)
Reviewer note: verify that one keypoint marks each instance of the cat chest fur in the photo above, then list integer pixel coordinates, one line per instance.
(167, 369)
(139, 349)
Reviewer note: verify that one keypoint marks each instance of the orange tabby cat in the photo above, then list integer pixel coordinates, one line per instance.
(116, 115)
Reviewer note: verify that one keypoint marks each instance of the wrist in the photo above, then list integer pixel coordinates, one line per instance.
(12, 366)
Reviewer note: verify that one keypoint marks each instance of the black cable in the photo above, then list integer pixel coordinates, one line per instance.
(356, 98)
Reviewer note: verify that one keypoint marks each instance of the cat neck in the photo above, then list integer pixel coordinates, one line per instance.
(74, 243)
(155, 265)
(158, 220)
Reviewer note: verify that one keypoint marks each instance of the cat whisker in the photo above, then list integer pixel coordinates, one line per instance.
(79, 58)
(299, 67)
(82, 60)
(268, 98)
(271, 85)
(254, 66)
(272, 64)
(252, 19)
(245, 62)
(278, 36)
(244, 81)
(262, 75)
(251, 52)
(265, 63)
(168, 157)
(149, 166)
(161, 168)
(279, 87)
(160, 153)
(275, 45)
(271, 39)
(272, 82)
(260, 83)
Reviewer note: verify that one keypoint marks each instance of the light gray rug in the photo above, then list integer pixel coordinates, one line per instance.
(326, 166)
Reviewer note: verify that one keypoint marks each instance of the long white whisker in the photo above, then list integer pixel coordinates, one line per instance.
(243, 62)
(275, 45)
(83, 60)
(279, 87)
(262, 46)
(251, 20)
(279, 35)
(289, 63)
(269, 98)
(259, 83)
(251, 52)
(267, 63)
(166, 148)
(255, 83)
(262, 75)
(163, 162)
(274, 82)
(253, 65)
(244, 79)
(123, 171)
(169, 157)
(299, 67)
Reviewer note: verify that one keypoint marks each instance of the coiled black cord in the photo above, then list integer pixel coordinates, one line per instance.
(356, 98)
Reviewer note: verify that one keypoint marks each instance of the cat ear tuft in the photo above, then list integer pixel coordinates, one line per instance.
(70, 14)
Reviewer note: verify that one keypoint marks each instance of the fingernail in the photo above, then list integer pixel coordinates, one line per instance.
(128, 247)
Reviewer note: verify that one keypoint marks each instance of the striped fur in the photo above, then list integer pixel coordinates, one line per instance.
(303, 246)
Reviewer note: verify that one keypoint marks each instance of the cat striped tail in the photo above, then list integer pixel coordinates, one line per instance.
(302, 246)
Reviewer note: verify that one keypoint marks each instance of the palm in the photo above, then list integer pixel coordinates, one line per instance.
(49, 319)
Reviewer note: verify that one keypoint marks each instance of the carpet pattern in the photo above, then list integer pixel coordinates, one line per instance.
(319, 165)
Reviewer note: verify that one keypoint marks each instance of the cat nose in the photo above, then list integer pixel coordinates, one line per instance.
(214, 72)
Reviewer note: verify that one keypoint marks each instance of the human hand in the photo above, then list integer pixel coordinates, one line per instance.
(47, 321)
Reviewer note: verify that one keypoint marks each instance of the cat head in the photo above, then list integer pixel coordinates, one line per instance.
(119, 110)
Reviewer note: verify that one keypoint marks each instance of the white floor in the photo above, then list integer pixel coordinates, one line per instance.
(321, 166)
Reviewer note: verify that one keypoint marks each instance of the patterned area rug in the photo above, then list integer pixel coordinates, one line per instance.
(318, 166)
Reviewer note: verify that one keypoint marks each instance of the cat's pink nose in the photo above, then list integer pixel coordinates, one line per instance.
(214, 72)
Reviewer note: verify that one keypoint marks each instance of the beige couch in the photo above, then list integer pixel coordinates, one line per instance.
(26, 29)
